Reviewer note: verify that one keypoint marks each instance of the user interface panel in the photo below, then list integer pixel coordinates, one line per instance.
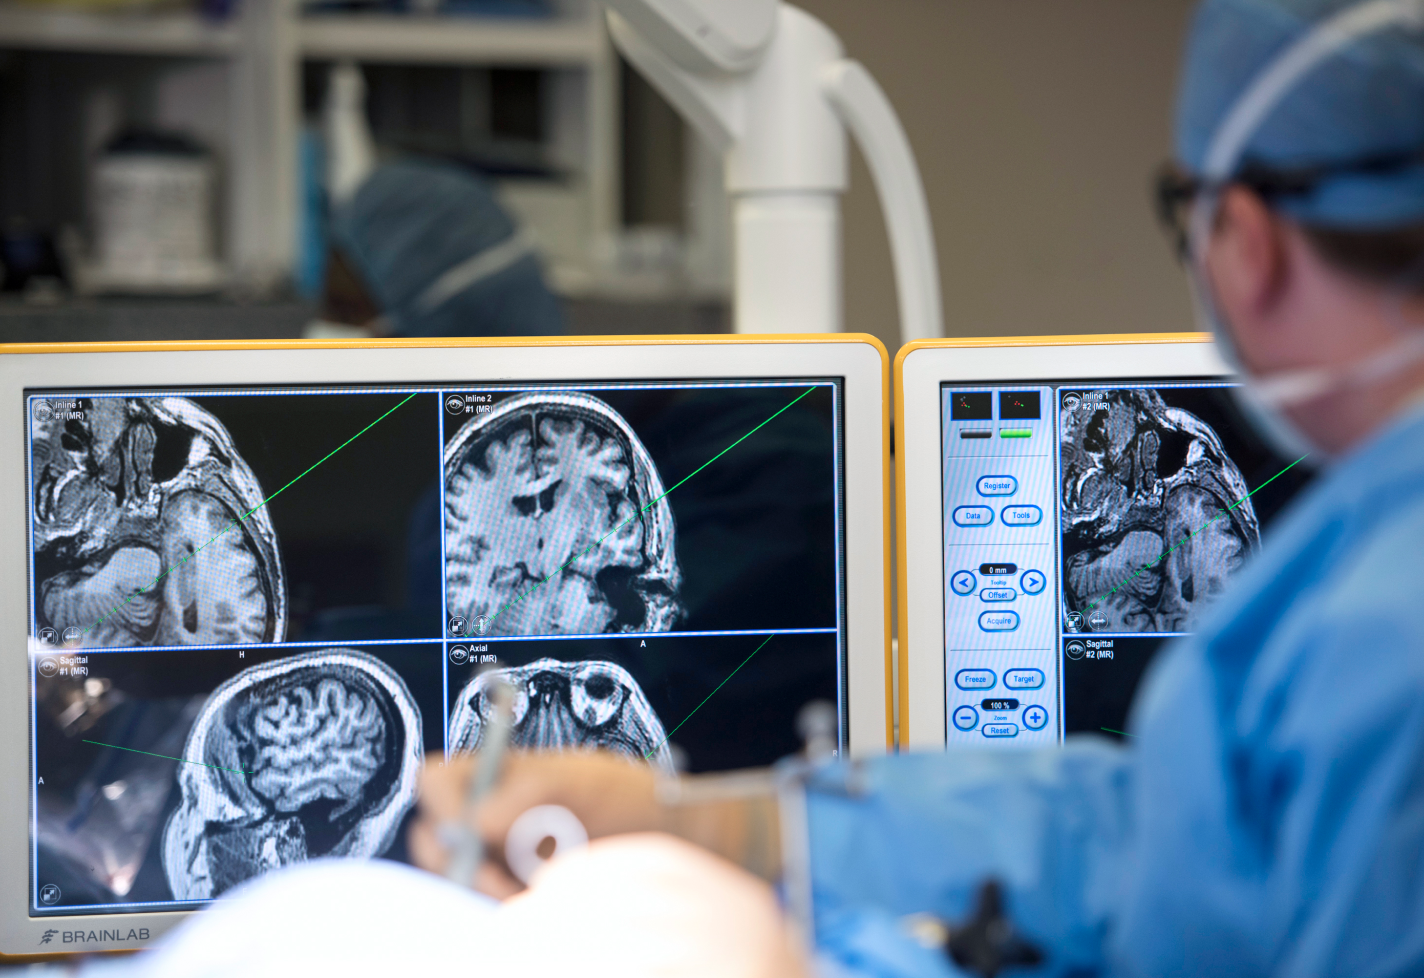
(1084, 525)
(255, 611)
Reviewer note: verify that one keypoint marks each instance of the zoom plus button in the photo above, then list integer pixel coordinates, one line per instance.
(973, 516)
(966, 718)
(998, 621)
(1035, 717)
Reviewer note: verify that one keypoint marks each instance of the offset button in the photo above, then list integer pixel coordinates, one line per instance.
(973, 516)
(998, 621)
(1001, 730)
(975, 679)
(963, 582)
(1024, 678)
(966, 718)
(1035, 717)
(1033, 581)
(1021, 515)
(997, 485)
(998, 594)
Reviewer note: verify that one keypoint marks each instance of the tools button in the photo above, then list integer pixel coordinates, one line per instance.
(1021, 515)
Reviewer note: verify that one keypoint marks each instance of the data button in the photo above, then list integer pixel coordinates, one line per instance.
(973, 516)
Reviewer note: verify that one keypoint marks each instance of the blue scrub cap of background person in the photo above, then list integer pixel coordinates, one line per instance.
(441, 256)
(1360, 104)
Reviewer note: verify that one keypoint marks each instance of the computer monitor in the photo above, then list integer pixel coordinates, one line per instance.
(1066, 506)
(256, 585)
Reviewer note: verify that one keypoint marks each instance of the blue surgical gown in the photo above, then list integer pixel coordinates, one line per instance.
(1266, 819)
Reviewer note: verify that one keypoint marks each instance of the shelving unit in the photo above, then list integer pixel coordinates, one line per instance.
(253, 117)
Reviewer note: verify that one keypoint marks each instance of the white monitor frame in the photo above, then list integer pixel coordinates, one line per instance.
(861, 360)
(920, 370)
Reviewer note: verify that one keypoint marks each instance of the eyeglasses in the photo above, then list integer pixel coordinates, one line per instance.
(1177, 190)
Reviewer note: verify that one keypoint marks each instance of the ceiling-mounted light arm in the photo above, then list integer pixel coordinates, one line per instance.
(868, 114)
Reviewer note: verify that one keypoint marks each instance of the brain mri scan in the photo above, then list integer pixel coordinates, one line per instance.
(310, 756)
(1139, 477)
(538, 483)
(564, 705)
(131, 490)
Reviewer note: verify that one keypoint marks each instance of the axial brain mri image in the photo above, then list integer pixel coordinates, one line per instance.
(310, 756)
(557, 487)
(129, 491)
(565, 705)
(1139, 478)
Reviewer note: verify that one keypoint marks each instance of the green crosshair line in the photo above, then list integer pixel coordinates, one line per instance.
(1123, 732)
(240, 520)
(166, 757)
(699, 706)
(640, 512)
(1186, 540)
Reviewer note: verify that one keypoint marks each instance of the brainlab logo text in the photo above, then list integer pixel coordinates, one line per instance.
(95, 936)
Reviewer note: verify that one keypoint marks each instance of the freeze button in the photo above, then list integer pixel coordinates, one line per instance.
(975, 679)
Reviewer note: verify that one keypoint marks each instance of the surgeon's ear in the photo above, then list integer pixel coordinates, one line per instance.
(1248, 259)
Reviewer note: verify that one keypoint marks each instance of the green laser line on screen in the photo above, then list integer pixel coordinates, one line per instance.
(699, 706)
(169, 757)
(237, 523)
(640, 512)
(1188, 539)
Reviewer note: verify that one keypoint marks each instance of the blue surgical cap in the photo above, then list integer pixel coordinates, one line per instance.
(1363, 103)
(442, 257)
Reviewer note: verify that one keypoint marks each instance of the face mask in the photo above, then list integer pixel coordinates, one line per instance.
(1264, 399)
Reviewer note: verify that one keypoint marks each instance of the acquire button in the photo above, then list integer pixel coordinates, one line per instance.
(966, 718)
(1023, 678)
(1001, 730)
(998, 594)
(975, 679)
(973, 516)
(1021, 515)
(998, 621)
(997, 485)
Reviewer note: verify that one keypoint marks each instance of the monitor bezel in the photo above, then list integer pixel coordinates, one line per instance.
(921, 368)
(860, 359)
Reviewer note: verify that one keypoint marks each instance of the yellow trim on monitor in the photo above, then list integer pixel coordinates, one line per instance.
(965, 343)
(439, 342)
(679, 339)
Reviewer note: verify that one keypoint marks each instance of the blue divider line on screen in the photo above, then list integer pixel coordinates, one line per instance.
(708, 697)
(247, 515)
(650, 505)
(1189, 538)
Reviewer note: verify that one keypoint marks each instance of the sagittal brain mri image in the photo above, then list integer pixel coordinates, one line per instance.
(1140, 477)
(565, 705)
(129, 491)
(557, 486)
(310, 756)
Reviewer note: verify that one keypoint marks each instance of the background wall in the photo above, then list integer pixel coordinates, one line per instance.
(1038, 125)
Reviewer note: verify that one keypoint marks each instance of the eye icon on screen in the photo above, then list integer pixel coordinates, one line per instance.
(1071, 402)
(455, 404)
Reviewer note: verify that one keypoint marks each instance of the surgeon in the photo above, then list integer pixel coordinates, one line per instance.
(1267, 815)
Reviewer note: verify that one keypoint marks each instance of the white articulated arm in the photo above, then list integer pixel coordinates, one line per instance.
(867, 113)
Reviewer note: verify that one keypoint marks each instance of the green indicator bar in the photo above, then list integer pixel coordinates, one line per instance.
(1015, 433)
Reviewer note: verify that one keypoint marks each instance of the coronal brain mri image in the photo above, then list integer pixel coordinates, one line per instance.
(309, 756)
(554, 522)
(1141, 479)
(565, 705)
(131, 498)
